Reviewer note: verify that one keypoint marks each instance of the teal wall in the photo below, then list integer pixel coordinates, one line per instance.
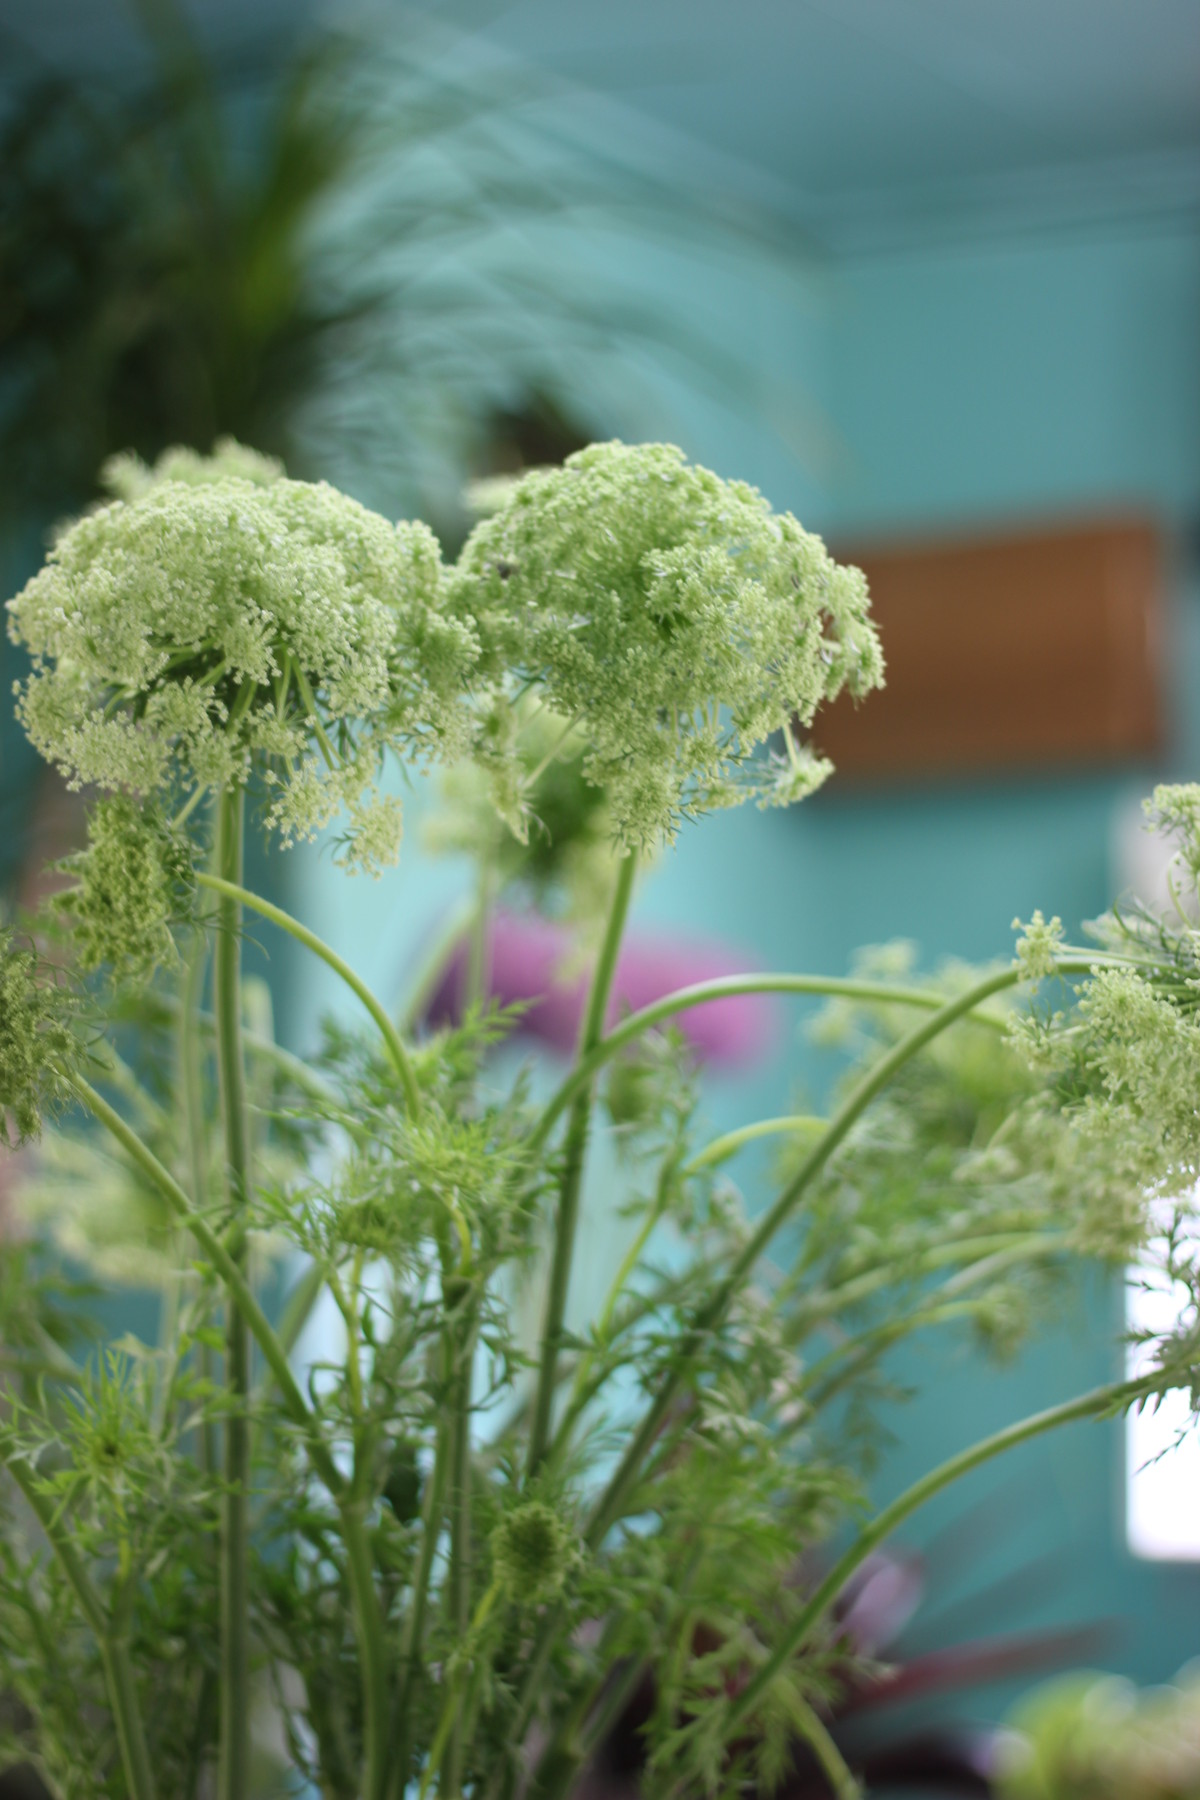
(959, 384)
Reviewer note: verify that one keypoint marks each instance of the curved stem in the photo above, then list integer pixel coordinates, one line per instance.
(254, 1044)
(218, 1256)
(852, 1290)
(233, 1760)
(582, 1387)
(233, 891)
(726, 987)
(711, 1314)
(830, 1373)
(114, 1655)
(722, 1148)
(574, 1154)
(1100, 1400)
(420, 987)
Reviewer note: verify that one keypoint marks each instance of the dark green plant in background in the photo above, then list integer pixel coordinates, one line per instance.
(358, 251)
(343, 242)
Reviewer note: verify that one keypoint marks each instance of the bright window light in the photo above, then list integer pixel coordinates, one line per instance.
(1162, 1459)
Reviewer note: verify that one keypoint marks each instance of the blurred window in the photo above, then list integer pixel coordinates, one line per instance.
(1162, 1447)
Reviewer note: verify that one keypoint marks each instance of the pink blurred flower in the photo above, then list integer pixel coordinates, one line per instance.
(527, 957)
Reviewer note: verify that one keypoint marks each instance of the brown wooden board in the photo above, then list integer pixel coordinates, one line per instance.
(1008, 650)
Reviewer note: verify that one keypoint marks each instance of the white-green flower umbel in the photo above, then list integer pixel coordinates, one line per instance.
(204, 626)
(677, 619)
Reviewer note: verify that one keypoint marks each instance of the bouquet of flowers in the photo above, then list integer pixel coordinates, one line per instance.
(443, 1559)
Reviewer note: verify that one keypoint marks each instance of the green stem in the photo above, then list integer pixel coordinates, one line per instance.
(372, 1647)
(254, 1044)
(856, 1288)
(574, 1155)
(722, 1148)
(709, 1317)
(314, 715)
(421, 985)
(478, 948)
(1100, 1400)
(114, 1653)
(726, 987)
(589, 1721)
(233, 1762)
(297, 1308)
(581, 1387)
(532, 1690)
(197, 1142)
(234, 892)
(832, 1762)
(217, 1254)
(833, 1371)
(433, 1511)
(459, 1579)
(453, 1705)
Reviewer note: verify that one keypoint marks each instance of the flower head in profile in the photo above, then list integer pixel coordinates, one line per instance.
(128, 886)
(37, 1044)
(221, 617)
(675, 618)
(532, 1552)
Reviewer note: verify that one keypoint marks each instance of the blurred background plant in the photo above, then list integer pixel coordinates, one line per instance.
(354, 243)
(1097, 1737)
(332, 254)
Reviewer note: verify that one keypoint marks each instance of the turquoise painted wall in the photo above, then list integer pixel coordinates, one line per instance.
(999, 381)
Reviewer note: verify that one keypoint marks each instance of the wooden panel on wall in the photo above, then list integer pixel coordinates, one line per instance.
(1006, 651)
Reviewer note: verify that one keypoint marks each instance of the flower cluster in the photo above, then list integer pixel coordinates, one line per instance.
(205, 623)
(1174, 810)
(37, 1044)
(675, 617)
(129, 885)
(127, 477)
(1038, 946)
(532, 1552)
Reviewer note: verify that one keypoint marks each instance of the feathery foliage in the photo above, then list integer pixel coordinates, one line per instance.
(439, 1552)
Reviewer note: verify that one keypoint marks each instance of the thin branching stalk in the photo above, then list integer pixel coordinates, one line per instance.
(113, 1646)
(234, 1278)
(876, 1276)
(565, 1757)
(372, 1646)
(823, 1378)
(1099, 1401)
(726, 987)
(583, 1387)
(432, 1516)
(711, 1314)
(459, 1578)
(234, 892)
(196, 1132)
(574, 1155)
(421, 985)
(233, 1760)
(725, 1146)
(462, 1690)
